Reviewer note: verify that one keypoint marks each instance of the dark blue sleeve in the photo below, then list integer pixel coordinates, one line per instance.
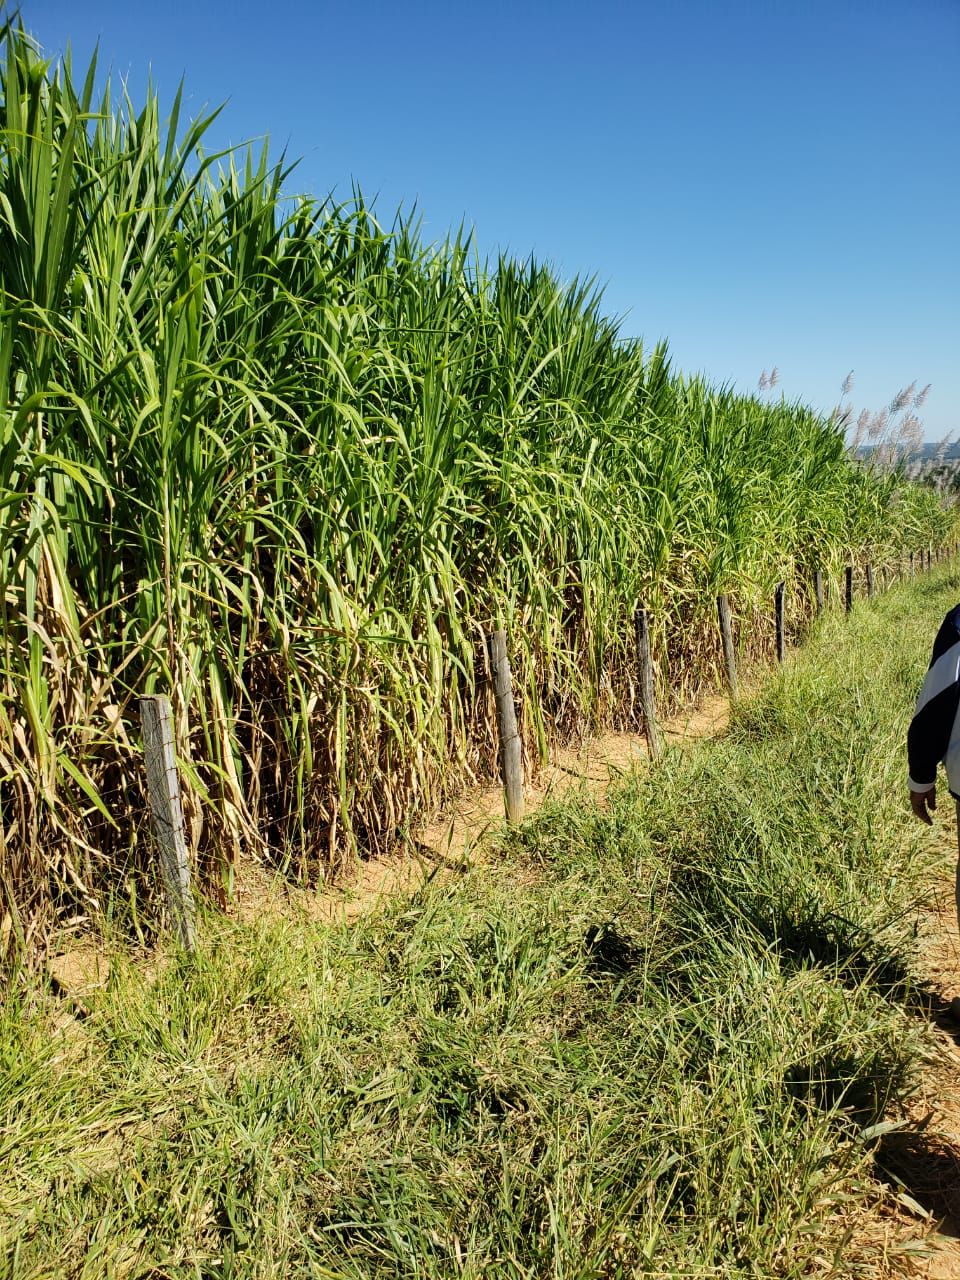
(929, 735)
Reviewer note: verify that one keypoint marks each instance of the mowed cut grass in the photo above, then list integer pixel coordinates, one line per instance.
(649, 1036)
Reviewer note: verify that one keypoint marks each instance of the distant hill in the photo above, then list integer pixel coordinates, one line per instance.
(930, 451)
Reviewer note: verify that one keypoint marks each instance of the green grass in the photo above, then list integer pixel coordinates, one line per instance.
(651, 1036)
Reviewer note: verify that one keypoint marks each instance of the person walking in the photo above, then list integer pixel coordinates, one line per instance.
(934, 733)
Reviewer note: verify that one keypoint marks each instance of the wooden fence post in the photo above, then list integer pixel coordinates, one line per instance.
(506, 726)
(818, 590)
(642, 629)
(849, 587)
(778, 611)
(869, 581)
(164, 791)
(729, 654)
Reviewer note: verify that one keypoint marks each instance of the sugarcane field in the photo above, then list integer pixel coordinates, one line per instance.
(454, 816)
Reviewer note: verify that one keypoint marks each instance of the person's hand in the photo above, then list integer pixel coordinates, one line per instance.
(923, 804)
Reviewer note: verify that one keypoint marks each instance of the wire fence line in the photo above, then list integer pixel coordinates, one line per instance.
(175, 833)
(268, 803)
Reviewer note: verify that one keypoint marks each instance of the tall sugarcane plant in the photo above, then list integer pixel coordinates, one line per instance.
(287, 463)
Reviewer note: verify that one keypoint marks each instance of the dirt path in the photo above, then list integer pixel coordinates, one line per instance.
(456, 835)
(925, 1157)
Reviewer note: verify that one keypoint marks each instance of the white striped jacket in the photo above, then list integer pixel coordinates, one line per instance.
(934, 733)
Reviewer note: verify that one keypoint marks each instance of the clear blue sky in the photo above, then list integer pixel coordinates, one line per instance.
(762, 182)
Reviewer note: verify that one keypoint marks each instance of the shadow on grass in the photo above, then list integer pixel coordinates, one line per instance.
(927, 1167)
(824, 941)
(609, 951)
(804, 935)
(853, 956)
(800, 938)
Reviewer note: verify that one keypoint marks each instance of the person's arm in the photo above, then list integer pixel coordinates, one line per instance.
(924, 803)
(929, 734)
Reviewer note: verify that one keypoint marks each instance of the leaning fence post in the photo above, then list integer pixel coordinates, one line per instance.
(849, 587)
(729, 654)
(164, 792)
(778, 612)
(818, 589)
(506, 725)
(642, 629)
